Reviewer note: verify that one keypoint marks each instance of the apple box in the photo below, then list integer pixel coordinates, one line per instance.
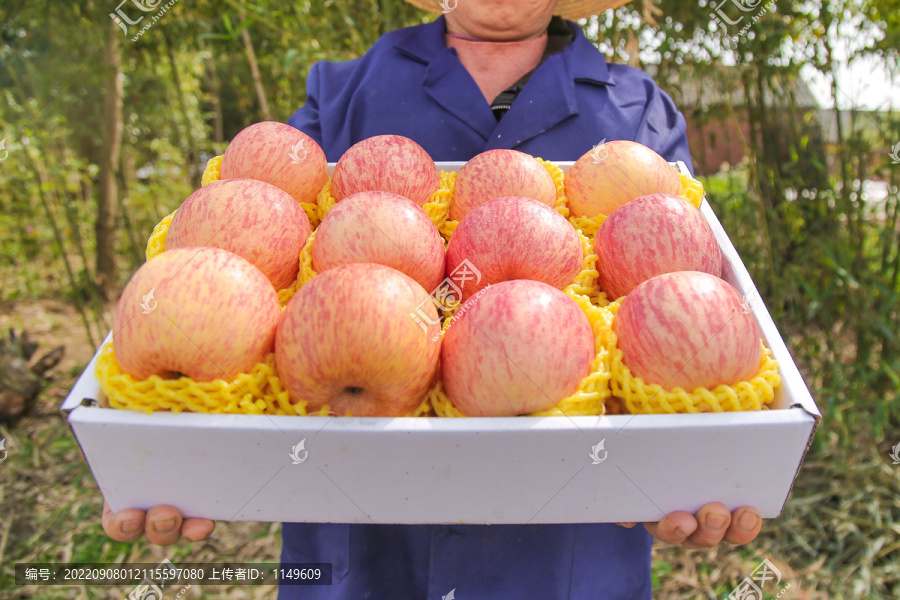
(444, 470)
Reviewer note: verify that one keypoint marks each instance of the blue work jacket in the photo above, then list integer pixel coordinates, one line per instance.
(410, 83)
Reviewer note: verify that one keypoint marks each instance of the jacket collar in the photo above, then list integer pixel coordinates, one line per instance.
(548, 98)
(586, 64)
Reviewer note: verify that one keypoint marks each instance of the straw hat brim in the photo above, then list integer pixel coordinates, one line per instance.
(568, 9)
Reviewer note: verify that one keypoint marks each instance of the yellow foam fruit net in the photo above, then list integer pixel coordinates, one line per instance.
(258, 392)
(691, 190)
(590, 396)
(643, 398)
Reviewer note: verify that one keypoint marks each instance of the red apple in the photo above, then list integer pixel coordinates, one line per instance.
(516, 348)
(689, 330)
(253, 219)
(497, 173)
(202, 312)
(347, 340)
(278, 154)
(387, 163)
(652, 235)
(614, 173)
(383, 228)
(515, 238)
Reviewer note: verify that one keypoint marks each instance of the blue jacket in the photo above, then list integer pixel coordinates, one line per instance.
(410, 83)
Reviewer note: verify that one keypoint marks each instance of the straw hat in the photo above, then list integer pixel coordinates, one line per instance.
(569, 9)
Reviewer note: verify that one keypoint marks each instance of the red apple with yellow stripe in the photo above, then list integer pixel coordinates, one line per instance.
(614, 173)
(515, 238)
(498, 173)
(386, 163)
(688, 329)
(348, 340)
(278, 154)
(255, 220)
(515, 348)
(199, 311)
(652, 235)
(383, 228)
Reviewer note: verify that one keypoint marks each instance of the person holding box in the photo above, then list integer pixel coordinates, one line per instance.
(487, 74)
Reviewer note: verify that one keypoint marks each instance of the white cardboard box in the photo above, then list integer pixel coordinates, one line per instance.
(471, 470)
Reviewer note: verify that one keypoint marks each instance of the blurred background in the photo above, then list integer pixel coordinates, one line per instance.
(792, 116)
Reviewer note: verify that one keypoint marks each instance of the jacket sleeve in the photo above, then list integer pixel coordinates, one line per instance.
(663, 128)
(307, 118)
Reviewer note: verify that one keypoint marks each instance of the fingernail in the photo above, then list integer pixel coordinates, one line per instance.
(715, 522)
(165, 526)
(131, 526)
(748, 521)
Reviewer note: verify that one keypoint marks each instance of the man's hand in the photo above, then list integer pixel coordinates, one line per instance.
(711, 525)
(163, 525)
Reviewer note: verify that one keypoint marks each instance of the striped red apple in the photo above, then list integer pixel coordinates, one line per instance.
(515, 238)
(688, 330)
(614, 173)
(347, 340)
(277, 154)
(498, 173)
(652, 235)
(387, 163)
(199, 311)
(382, 228)
(515, 348)
(255, 220)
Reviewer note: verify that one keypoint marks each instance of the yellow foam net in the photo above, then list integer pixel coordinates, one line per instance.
(639, 397)
(258, 392)
(691, 190)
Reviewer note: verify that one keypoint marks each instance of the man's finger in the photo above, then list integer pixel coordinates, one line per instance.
(713, 521)
(674, 528)
(163, 526)
(197, 529)
(123, 526)
(745, 525)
